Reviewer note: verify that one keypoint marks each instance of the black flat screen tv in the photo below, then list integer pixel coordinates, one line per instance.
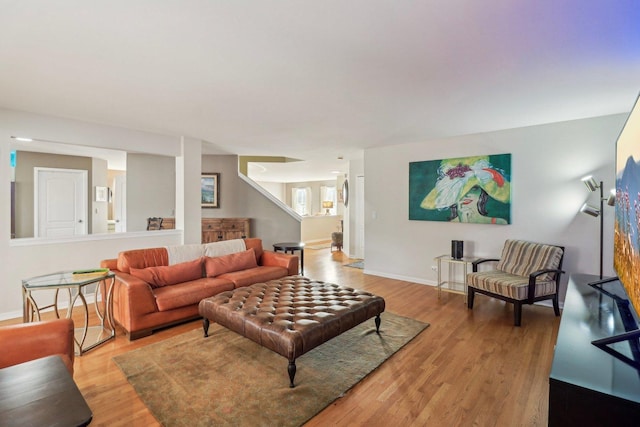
(626, 241)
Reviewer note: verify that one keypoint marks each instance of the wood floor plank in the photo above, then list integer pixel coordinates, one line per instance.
(470, 367)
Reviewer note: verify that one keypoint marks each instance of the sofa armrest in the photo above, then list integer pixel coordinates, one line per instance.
(111, 264)
(132, 299)
(278, 259)
(28, 341)
(475, 263)
(533, 277)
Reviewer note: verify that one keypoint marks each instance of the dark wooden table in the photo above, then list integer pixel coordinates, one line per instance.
(290, 247)
(41, 393)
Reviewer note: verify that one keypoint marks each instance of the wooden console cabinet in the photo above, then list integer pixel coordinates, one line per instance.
(168, 224)
(587, 386)
(215, 229)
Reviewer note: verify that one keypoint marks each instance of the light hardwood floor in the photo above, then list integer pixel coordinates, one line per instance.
(469, 368)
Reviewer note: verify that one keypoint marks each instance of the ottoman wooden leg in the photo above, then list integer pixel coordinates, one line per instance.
(292, 372)
(205, 326)
(377, 324)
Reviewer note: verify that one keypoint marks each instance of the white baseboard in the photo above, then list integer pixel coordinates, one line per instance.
(418, 280)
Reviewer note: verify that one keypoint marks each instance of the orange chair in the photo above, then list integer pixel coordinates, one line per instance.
(28, 341)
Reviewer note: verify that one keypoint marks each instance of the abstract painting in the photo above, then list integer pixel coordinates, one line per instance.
(474, 189)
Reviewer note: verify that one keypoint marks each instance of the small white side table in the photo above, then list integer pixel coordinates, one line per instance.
(451, 285)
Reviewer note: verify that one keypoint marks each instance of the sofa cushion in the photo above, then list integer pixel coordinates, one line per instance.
(227, 263)
(255, 275)
(189, 293)
(170, 274)
(510, 285)
(523, 258)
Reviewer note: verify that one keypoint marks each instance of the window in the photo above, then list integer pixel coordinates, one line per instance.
(301, 200)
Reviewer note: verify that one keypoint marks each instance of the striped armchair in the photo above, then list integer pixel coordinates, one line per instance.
(526, 272)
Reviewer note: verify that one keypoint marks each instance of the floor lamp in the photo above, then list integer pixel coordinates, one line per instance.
(592, 185)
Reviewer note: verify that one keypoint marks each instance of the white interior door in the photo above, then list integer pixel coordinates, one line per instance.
(359, 237)
(120, 203)
(60, 202)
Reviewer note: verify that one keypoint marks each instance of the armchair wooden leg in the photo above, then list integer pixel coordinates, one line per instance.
(517, 313)
(470, 295)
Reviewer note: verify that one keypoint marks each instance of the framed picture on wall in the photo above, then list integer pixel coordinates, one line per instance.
(102, 194)
(210, 190)
(475, 189)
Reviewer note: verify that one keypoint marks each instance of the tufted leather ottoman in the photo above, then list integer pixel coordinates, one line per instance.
(291, 315)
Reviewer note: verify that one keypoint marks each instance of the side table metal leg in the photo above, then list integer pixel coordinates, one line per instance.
(109, 307)
(100, 293)
(85, 328)
(25, 306)
(302, 262)
(464, 280)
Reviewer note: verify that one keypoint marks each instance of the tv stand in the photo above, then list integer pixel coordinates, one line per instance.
(598, 283)
(589, 386)
(632, 334)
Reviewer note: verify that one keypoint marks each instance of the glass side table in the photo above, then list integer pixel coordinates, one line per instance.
(451, 284)
(87, 336)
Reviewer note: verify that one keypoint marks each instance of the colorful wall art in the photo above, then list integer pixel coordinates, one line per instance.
(210, 190)
(473, 189)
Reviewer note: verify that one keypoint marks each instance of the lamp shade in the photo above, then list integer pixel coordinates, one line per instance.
(328, 205)
(611, 201)
(590, 210)
(591, 183)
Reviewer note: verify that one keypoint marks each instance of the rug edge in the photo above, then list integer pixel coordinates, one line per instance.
(424, 325)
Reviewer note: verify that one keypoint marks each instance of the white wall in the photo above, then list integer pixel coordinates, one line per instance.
(151, 189)
(277, 189)
(319, 228)
(547, 164)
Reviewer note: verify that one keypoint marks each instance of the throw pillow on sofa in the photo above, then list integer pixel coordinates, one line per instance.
(215, 266)
(171, 274)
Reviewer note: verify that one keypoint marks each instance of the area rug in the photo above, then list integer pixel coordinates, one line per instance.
(357, 264)
(226, 379)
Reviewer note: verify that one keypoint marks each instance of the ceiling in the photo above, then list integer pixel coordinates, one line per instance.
(317, 80)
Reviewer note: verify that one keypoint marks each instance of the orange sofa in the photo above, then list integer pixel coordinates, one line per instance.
(160, 287)
(29, 341)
